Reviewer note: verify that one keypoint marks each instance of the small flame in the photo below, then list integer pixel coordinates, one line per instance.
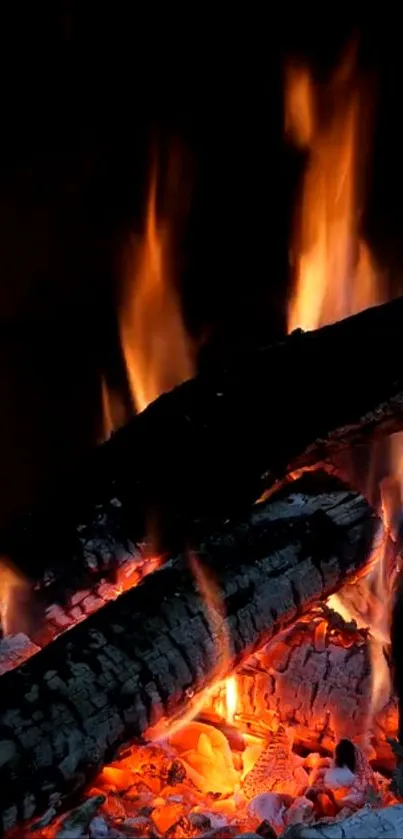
(13, 586)
(113, 410)
(108, 426)
(215, 615)
(335, 277)
(155, 344)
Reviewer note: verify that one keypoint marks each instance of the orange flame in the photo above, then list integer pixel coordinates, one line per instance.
(335, 277)
(113, 410)
(12, 583)
(155, 344)
(215, 615)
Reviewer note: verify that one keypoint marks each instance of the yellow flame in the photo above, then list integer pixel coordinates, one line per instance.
(231, 698)
(335, 277)
(156, 347)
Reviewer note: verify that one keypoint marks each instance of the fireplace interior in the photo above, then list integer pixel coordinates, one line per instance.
(200, 616)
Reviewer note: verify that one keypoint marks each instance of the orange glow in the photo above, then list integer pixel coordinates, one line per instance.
(155, 344)
(231, 696)
(107, 414)
(335, 276)
(11, 584)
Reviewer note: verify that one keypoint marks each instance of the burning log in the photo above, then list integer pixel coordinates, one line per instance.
(138, 660)
(316, 677)
(209, 448)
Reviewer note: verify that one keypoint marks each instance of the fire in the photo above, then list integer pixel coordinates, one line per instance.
(215, 615)
(107, 413)
(156, 347)
(12, 587)
(336, 277)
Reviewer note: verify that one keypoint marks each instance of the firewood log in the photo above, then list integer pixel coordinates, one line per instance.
(316, 677)
(139, 659)
(208, 449)
(365, 824)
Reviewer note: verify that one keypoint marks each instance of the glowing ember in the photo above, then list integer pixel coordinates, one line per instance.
(155, 344)
(215, 774)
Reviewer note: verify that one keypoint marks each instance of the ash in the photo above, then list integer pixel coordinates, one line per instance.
(14, 650)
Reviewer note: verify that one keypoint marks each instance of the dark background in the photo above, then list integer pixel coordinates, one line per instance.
(82, 91)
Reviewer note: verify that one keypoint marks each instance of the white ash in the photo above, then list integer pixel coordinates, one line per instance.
(98, 828)
(367, 823)
(339, 776)
(268, 806)
(14, 650)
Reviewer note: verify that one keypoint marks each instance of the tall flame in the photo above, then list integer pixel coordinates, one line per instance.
(155, 344)
(335, 277)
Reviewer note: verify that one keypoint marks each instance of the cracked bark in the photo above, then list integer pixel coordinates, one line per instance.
(69, 708)
(365, 824)
(317, 677)
(208, 449)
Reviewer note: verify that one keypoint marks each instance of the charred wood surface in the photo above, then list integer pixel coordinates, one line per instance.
(67, 710)
(316, 676)
(205, 451)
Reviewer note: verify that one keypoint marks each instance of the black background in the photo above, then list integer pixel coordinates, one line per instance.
(82, 91)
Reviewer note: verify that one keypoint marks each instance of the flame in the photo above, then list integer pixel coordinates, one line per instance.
(335, 277)
(107, 412)
(155, 344)
(215, 616)
(12, 585)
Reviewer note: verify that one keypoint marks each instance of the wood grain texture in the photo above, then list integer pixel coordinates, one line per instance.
(68, 709)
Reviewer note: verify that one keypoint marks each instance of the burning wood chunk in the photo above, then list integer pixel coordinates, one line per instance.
(316, 677)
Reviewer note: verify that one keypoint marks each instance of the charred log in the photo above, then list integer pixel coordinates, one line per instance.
(316, 677)
(65, 712)
(208, 449)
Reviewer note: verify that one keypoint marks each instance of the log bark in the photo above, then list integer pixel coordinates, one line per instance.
(316, 677)
(67, 710)
(365, 824)
(208, 449)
